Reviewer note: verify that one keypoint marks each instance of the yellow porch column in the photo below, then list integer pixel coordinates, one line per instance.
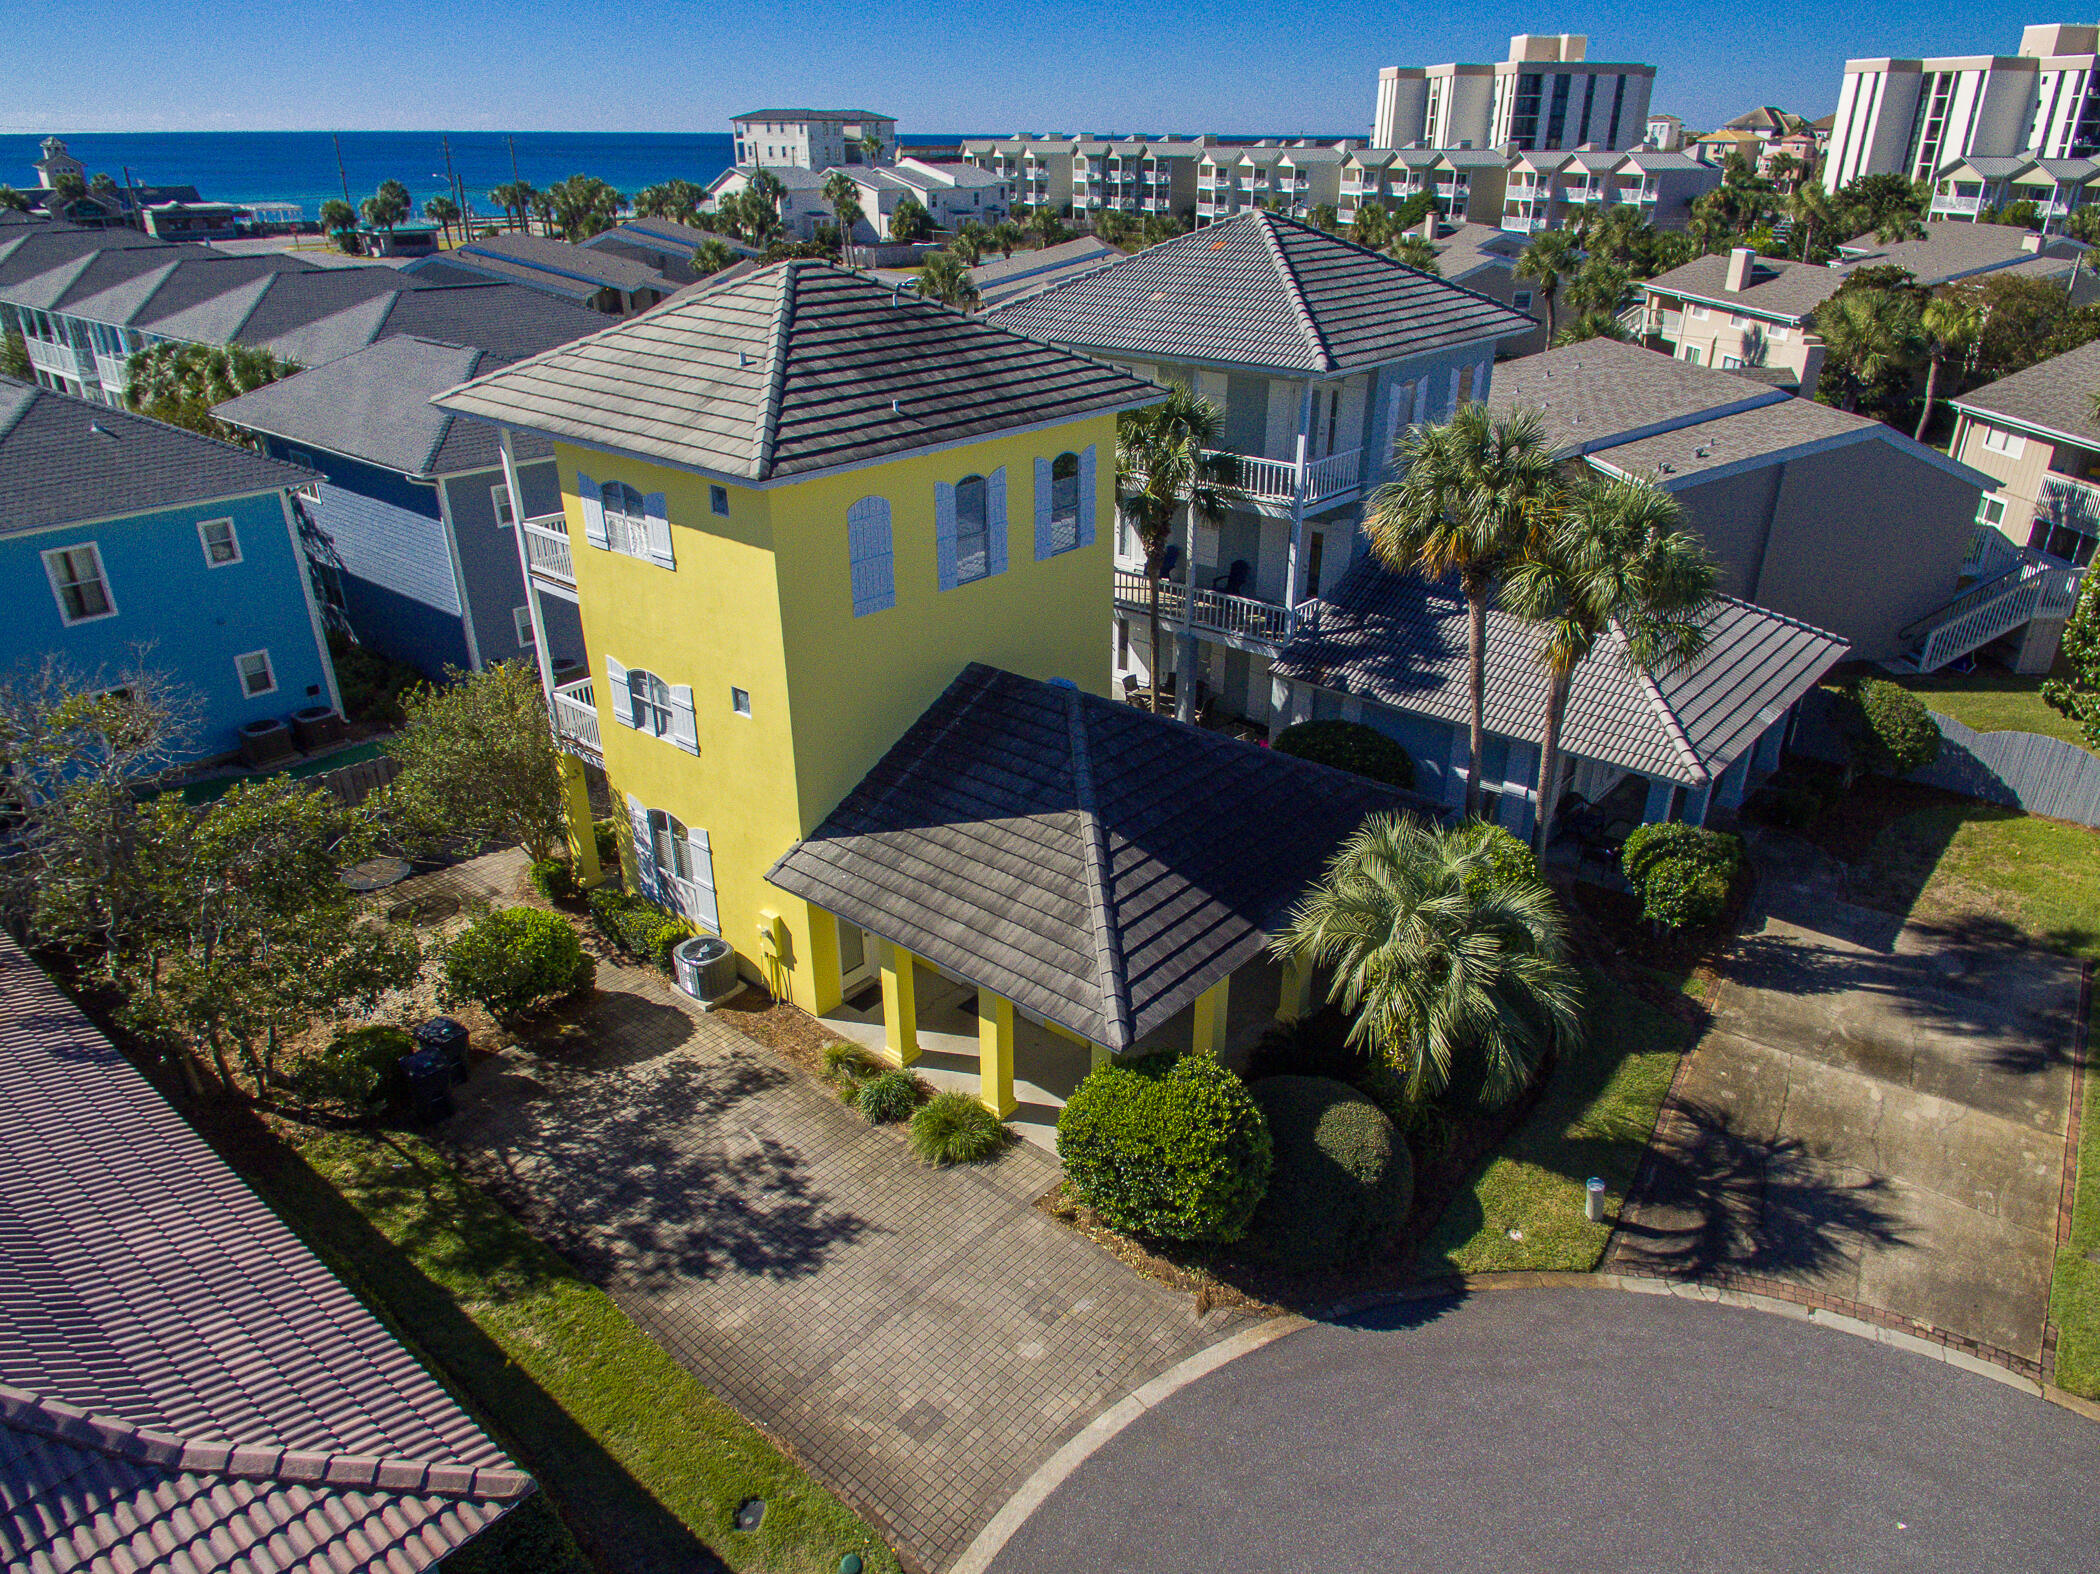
(576, 811)
(1210, 1017)
(995, 1054)
(1294, 993)
(900, 1006)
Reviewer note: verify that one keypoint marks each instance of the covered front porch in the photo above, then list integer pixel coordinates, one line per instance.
(964, 1038)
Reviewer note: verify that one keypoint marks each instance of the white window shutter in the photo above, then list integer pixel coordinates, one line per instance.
(700, 889)
(1087, 482)
(871, 560)
(593, 512)
(1042, 509)
(658, 510)
(619, 699)
(685, 730)
(644, 849)
(995, 521)
(944, 532)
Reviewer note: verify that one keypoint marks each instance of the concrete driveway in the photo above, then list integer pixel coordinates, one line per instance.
(922, 1339)
(1568, 1431)
(1876, 1115)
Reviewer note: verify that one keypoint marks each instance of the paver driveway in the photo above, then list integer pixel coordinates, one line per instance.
(922, 1339)
(1877, 1113)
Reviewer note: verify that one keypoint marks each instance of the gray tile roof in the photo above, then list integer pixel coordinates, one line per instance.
(2055, 395)
(1095, 864)
(1603, 392)
(182, 1384)
(1956, 249)
(1401, 641)
(792, 369)
(64, 459)
(808, 114)
(560, 260)
(374, 405)
(1005, 279)
(1259, 290)
(1790, 291)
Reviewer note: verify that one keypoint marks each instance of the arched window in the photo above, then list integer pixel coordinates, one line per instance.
(652, 701)
(671, 844)
(626, 519)
(972, 530)
(1064, 503)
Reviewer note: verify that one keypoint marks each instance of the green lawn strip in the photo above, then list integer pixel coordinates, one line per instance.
(2074, 1290)
(645, 1463)
(1990, 699)
(1595, 1119)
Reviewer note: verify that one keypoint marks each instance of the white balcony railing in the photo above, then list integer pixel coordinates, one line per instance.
(2067, 500)
(114, 371)
(547, 548)
(1957, 204)
(1332, 476)
(2035, 585)
(1212, 612)
(576, 719)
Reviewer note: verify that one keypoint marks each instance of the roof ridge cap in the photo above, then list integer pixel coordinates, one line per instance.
(1660, 704)
(1266, 223)
(776, 369)
(1110, 975)
(446, 418)
(23, 1411)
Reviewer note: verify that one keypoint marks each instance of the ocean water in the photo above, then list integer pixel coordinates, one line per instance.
(301, 166)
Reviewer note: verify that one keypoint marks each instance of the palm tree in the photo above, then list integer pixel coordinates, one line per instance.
(387, 206)
(443, 212)
(1873, 336)
(1953, 323)
(1812, 210)
(12, 200)
(336, 214)
(909, 220)
(843, 194)
(871, 147)
(1438, 962)
(515, 197)
(1471, 494)
(712, 256)
(1047, 228)
(1373, 226)
(944, 277)
(1007, 236)
(1166, 461)
(1615, 559)
(1550, 254)
(1416, 253)
(178, 382)
(970, 242)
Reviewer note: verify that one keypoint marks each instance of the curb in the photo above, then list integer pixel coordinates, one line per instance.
(1054, 1471)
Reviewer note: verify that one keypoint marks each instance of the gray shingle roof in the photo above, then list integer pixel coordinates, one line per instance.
(559, 260)
(1603, 392)
(792, 369)
(64, 459)
(1259, 290)
(1956, 249)
(374, 405)
(1095, 864)
(1400, 640)
(1790, 291)
(182, 1384)
(2055, 395)
(1784, 426)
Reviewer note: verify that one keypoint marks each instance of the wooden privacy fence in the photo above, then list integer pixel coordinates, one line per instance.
(2022, 770)
(355, 783)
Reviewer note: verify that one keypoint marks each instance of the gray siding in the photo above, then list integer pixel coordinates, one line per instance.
(488, 560)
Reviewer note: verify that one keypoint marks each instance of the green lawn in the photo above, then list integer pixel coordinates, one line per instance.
(1595, 1119)
(644, 1463)
(1990, 699)
(2074, 1292)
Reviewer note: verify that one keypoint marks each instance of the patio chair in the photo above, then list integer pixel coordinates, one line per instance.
(1133, 691)
(1234, 579)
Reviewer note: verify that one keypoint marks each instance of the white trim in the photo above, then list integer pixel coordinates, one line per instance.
(304, 568)
(1872, 432)
(499, 500)
(140, 513)
(240, 673)
(1982, 414)
(521, 626)
(58, 594)
(459, 578)
(233, 539)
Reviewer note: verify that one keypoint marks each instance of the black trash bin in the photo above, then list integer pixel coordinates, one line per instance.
(449, 1038)
(425, 1084)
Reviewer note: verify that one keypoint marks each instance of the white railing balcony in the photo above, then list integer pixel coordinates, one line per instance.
(62, 360)
(547, 548)
(1280, 481)
(1334, 475)
(1211, 612)
(576, 720)
(1958, 204)
(2067, 500)
(1990, 553)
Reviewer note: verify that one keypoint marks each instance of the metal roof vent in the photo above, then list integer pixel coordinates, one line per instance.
(97, 429)
(896, 407)
(1703, 451)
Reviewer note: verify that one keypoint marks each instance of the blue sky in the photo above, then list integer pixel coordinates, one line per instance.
(1205, 65)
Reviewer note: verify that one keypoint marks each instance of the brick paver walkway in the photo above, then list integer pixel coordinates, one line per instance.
(922, 1339)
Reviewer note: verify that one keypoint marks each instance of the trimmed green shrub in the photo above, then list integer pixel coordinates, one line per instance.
(631, 923)
(371, 684)
(552, 878)
(1683, 874)
(1510, 862)
(669, 935)
(1314, 1045)
(1887, 729)
(1167, 1146)
(847, 1062)
(888, 1097)
(953, 1128)
(1348, 746)
(514, 958)
(1342, 1181)
(352, 1071)
(606, 834)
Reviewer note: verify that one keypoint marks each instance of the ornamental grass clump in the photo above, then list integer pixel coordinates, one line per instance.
(953, 1128)
(887, 1097)
(514, 959)
(1169, 1147)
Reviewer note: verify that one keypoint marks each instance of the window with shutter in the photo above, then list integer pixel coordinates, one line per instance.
(1064, 504)
(643, 843)
(973, 544)
(1088, 482)
(944, 534)
(656, 514)
(593, 511)
(626, 525)
(685, 730)
(618, 700)
(871, 557)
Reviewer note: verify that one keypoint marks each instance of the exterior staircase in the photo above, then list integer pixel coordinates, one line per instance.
(2018, 585)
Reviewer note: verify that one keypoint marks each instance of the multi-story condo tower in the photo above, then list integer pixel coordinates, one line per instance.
(814, 138)
(1917, 117)
(1546, 95)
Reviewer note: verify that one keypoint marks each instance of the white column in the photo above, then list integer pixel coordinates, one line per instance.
(532, 595)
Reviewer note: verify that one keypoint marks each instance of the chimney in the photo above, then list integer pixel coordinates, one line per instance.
(1811, 368)
(1429, 225)
(1740, 261)
(2031, 242)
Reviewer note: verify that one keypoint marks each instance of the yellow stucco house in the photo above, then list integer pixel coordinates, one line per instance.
(801, 513)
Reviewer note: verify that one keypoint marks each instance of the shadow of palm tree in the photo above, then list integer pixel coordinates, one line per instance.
(1718, 1200)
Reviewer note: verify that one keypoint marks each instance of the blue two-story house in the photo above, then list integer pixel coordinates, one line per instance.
(133, 544)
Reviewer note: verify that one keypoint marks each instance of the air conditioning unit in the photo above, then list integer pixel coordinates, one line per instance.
(706, 969)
